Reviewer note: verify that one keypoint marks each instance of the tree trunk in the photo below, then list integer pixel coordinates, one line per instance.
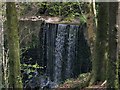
(1, 49)
(99, 59)
(118, 21)
(91, 24)
(0, 58)
(112, 72)
(1, 46)
(13, 46)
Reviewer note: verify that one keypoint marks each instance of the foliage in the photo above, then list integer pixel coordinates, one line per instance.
(29, 71)
(67, 10)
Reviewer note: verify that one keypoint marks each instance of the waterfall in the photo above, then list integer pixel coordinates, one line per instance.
(60, 40)
(71, 49)
(63, 51)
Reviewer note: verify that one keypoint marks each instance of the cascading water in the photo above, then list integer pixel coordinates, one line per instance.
(71, 50)
(62, 49)
(59, 46)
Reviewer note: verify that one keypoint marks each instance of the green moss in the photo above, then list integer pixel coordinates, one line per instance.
(13, 45)
(99, 58)
(112, 69)
(78, 83)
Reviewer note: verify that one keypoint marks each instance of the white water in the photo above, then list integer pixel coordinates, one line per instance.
(58, 52)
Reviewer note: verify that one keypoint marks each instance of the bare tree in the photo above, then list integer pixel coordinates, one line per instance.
(13, 46)
(1, 46)
(99, 58)
(112, 67)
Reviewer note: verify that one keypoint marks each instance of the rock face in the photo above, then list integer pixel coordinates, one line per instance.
(63, 51)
